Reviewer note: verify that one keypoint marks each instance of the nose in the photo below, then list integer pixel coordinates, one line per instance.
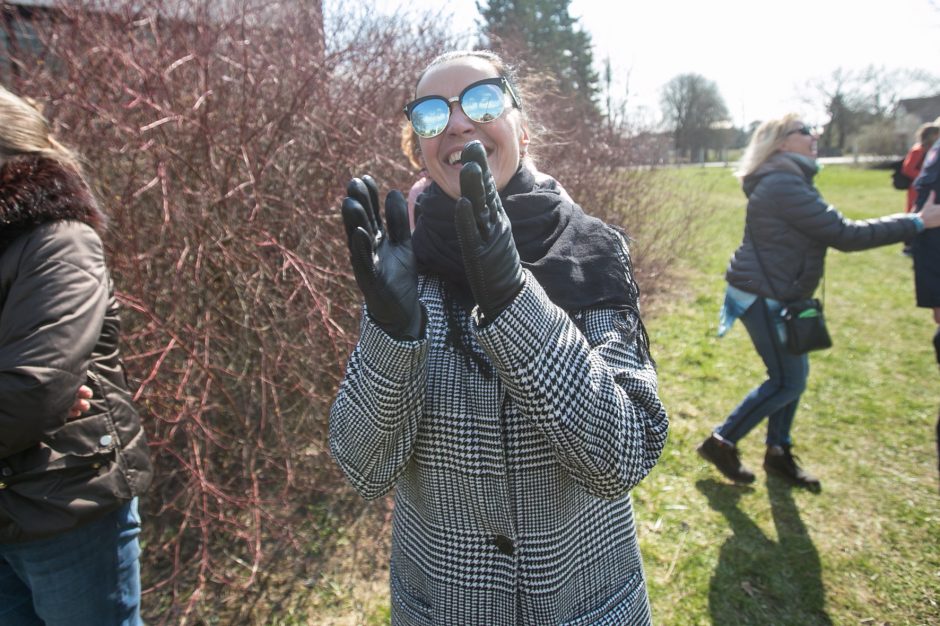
(459, 123)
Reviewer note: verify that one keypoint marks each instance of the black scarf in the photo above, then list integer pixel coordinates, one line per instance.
(576, 258)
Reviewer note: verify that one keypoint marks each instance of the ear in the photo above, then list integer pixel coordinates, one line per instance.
(523, 139)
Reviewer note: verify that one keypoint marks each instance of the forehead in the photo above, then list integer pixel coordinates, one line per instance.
(449, 79)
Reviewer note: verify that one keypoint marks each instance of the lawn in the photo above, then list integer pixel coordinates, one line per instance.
(867, 549)
(864, 551)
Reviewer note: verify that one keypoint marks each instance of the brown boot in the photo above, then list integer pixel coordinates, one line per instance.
(781, 461)
(724, 456)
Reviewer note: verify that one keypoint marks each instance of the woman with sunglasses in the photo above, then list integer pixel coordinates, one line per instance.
(788, 228)
(502, 382)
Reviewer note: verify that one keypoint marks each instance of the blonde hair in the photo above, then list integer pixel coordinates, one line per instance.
(24, 130)
(409, 145)
(766, 140)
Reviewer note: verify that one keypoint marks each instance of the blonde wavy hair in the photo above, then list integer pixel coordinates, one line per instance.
(766, 140)
(24, 130)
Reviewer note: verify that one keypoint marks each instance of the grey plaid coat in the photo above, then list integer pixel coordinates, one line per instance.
(512, 500)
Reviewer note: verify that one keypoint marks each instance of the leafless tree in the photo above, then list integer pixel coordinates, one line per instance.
(219, 136)
(691, 105)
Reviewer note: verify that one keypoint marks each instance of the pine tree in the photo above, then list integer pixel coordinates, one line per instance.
(543, 34)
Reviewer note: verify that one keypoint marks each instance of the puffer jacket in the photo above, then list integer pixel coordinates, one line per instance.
(59, 328)
(791, 226)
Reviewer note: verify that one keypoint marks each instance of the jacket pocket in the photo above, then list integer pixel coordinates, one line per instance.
(628, 605)
(411, 609)
(84, 442)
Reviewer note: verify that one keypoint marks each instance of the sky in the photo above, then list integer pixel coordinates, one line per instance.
(764, 55)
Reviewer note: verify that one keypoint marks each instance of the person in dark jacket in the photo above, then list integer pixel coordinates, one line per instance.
(502, 382)
(69, 478)
(788, 228)
(925, 250)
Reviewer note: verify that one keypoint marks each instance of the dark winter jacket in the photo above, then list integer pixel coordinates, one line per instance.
(926, 246)
(59, 328)
(791, 226)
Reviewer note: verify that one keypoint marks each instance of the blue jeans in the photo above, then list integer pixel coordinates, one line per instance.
(88, 576)
(778, 396)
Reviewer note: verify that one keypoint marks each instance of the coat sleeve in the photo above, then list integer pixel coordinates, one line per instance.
(591, 394)
(800, 205)
(56, 294)
(374, 418)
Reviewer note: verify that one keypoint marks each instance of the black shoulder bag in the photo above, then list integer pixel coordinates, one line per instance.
(804, 320)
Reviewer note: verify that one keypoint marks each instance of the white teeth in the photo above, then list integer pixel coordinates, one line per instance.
(453, 158)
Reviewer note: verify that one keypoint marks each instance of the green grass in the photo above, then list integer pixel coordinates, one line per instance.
(865, 550)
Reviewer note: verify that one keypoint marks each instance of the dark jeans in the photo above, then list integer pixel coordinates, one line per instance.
(89, 576)
(778, 396)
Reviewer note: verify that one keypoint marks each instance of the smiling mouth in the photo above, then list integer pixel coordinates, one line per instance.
(454, 157)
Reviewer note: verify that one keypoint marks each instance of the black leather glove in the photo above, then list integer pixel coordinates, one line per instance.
(485, 235)
(382, 260)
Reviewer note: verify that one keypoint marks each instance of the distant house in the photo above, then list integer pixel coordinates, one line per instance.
(912, 112)
(18, 32)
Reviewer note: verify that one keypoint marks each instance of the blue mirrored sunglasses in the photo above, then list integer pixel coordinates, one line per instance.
(482, 102)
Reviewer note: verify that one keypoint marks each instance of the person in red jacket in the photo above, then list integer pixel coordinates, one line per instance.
(927, 134)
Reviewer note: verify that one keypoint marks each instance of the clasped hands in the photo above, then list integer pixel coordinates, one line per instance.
(383, 261)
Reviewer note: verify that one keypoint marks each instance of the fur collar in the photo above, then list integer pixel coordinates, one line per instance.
(35, 190)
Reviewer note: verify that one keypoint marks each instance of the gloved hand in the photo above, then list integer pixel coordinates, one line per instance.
(382, 260)
(485, 235)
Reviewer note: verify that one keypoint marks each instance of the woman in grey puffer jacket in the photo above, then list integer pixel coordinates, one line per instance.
(788, 229)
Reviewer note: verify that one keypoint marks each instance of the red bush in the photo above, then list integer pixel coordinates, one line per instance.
(219, 137)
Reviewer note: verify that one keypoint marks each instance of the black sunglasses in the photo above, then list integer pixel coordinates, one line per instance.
(482, 102)
(803, 130)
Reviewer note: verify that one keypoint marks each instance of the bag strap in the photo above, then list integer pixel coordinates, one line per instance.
(763, 270)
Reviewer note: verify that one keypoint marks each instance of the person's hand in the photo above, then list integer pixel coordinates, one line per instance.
(485, 235)
(382, 260)
(930, 213)
(81, 404)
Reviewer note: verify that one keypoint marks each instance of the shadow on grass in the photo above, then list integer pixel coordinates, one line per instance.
(760, 580)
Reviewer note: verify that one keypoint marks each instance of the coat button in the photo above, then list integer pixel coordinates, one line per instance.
(504, 544)
(6, 472)
(105, 441)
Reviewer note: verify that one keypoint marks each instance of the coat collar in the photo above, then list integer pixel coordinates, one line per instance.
(35, 190)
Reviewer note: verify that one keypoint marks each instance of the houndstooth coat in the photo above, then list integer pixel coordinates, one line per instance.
(512, 500)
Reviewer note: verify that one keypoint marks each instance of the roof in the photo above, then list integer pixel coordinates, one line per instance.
(927, 109)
